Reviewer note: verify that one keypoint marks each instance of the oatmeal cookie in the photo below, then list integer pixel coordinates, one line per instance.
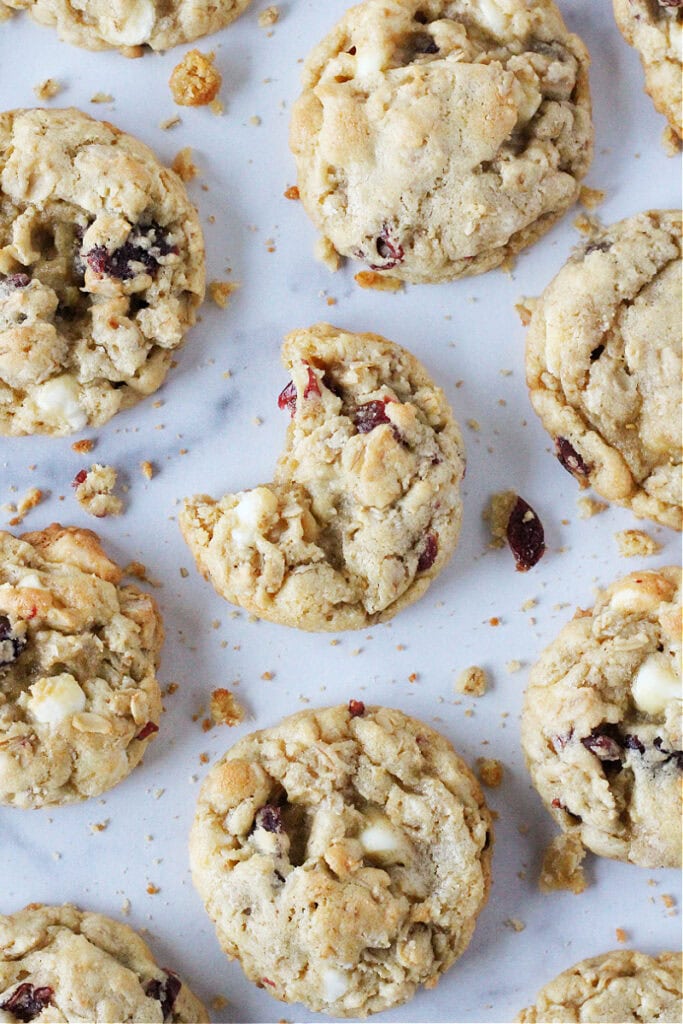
(79, 699)
(655, 29)
(101, 271)
(437, 138)
(65, 964)
(601, 725)
(603, 363)
(125, 24)
(618, 987)
(344, 856)
(364, 510)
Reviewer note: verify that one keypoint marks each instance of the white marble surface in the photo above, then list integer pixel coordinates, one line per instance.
(468, 332)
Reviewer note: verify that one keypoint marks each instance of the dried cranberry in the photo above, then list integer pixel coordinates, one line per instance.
(525, 536)
(270, 819)
(312, 387)
(604, 743)
(388, 250)
(164, 991)
(633, 743)
(570, 458)
(11, 645)
(26, 1002)
(356, 708)
(118, 262)
(422, 42)
(18, 280)
(597, 352)
(287, 398)
(429, 552)
(370, 415)
(79, 478)
(147, 730)
(671, 755)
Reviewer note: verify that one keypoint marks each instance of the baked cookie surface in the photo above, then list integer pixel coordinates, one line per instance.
(437, 138)
(101, 271)
(619, 987)
(344, 856)
(65, 964)
(364, 510)
(110, 24)
(79, 699)
(601, 725)
(655, 29)
(603, 361)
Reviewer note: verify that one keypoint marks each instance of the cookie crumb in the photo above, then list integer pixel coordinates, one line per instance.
(378, 282)
(195, 81)
(561, 868)
(125, 907)
(33, 497)
(47, 89)
(102, 97)
(99, 826)
(216, 107)
(490, 771)
(292, 192)
(219, 1002)
(474, 425)
(472, 681)
(621, 935)
(220, 292)
(636, 544)
(268, 17)
(525, 309)
(515, 924)
(84, 446)
(170, 122)
(326, 254)
(94, 491)
(147, 469)
(225, 710)
(513, 666)
(153, 889)
(589, 507)
(497, 515)
(588, 226)
(591, 198)
(184, 166)
(668, 901)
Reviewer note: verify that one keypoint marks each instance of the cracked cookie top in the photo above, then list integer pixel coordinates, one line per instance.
(601, 726)
(128, 24)
(344, 856)
(101, 271)
(65, 964)
(603, 363)
(655, 29)
(79, 699)
(623, 985)
(364, 510)
(436, 138)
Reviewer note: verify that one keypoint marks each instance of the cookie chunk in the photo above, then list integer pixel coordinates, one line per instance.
(619, 987)
(655, 29)
(603, 363)
(129, 24)
(101, 271)
(601, 726)
(437, 138)
(61, 963)
(344, 856)
(79, 699)
(364, 510)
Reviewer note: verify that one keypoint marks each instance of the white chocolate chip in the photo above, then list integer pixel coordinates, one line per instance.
(52, 700)
(335, 984)
(57, 401)
(31, 581)
(381, 841)
(655, 684)
(249, 511)
(131, 22)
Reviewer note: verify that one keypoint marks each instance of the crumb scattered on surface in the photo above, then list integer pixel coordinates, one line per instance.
(378, 282)
(636, 544)
(524, 309)
(33, 497)
(219, 1002)
(497, 515)
(268, 17)
(84, 446)
(292, 192)
(255, 120)
(472, 681)
(220, 292)
(47, 89)
(561, 868)
(586, 225)
(147, 469)
(621, 935)
(668, 900)
(490, 771)
(515, 924)
(183, 164)
(102, 97)
(153, 889)
(326, 253)
(195, 81)
(94, 489)
(216, 107)
(99, 826)
(170, 122)
(589, 507)
(225, 709)
(474, 425)
(513, 665)
(591, 198)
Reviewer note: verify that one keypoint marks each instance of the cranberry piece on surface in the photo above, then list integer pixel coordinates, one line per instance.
(570, 458)
(370, 415)
(390, 252)
(164, 991)
(269, 818)
(79, 478)
(356, 708)
(525, 535)
(26, 1002)
(428, 553)
(147, 730)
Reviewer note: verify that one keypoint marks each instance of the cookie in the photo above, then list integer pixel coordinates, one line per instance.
(364, 510)
(61, 963)
(437, 138)
(79, 699)
(124, 24)
(655, 29)
(601, 725)
(344, 856)
(603, 363)
(101, 271)
(619, 987)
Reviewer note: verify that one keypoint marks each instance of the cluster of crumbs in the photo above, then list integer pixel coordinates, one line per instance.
(589, 507)
(225, 709)
(93, 489)
(195, 81)
(32, 498)
(184, 166)
(636, 544)
(269, 17)
(47, 89)
(561, 868)
(220, 292)
(472, 681)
